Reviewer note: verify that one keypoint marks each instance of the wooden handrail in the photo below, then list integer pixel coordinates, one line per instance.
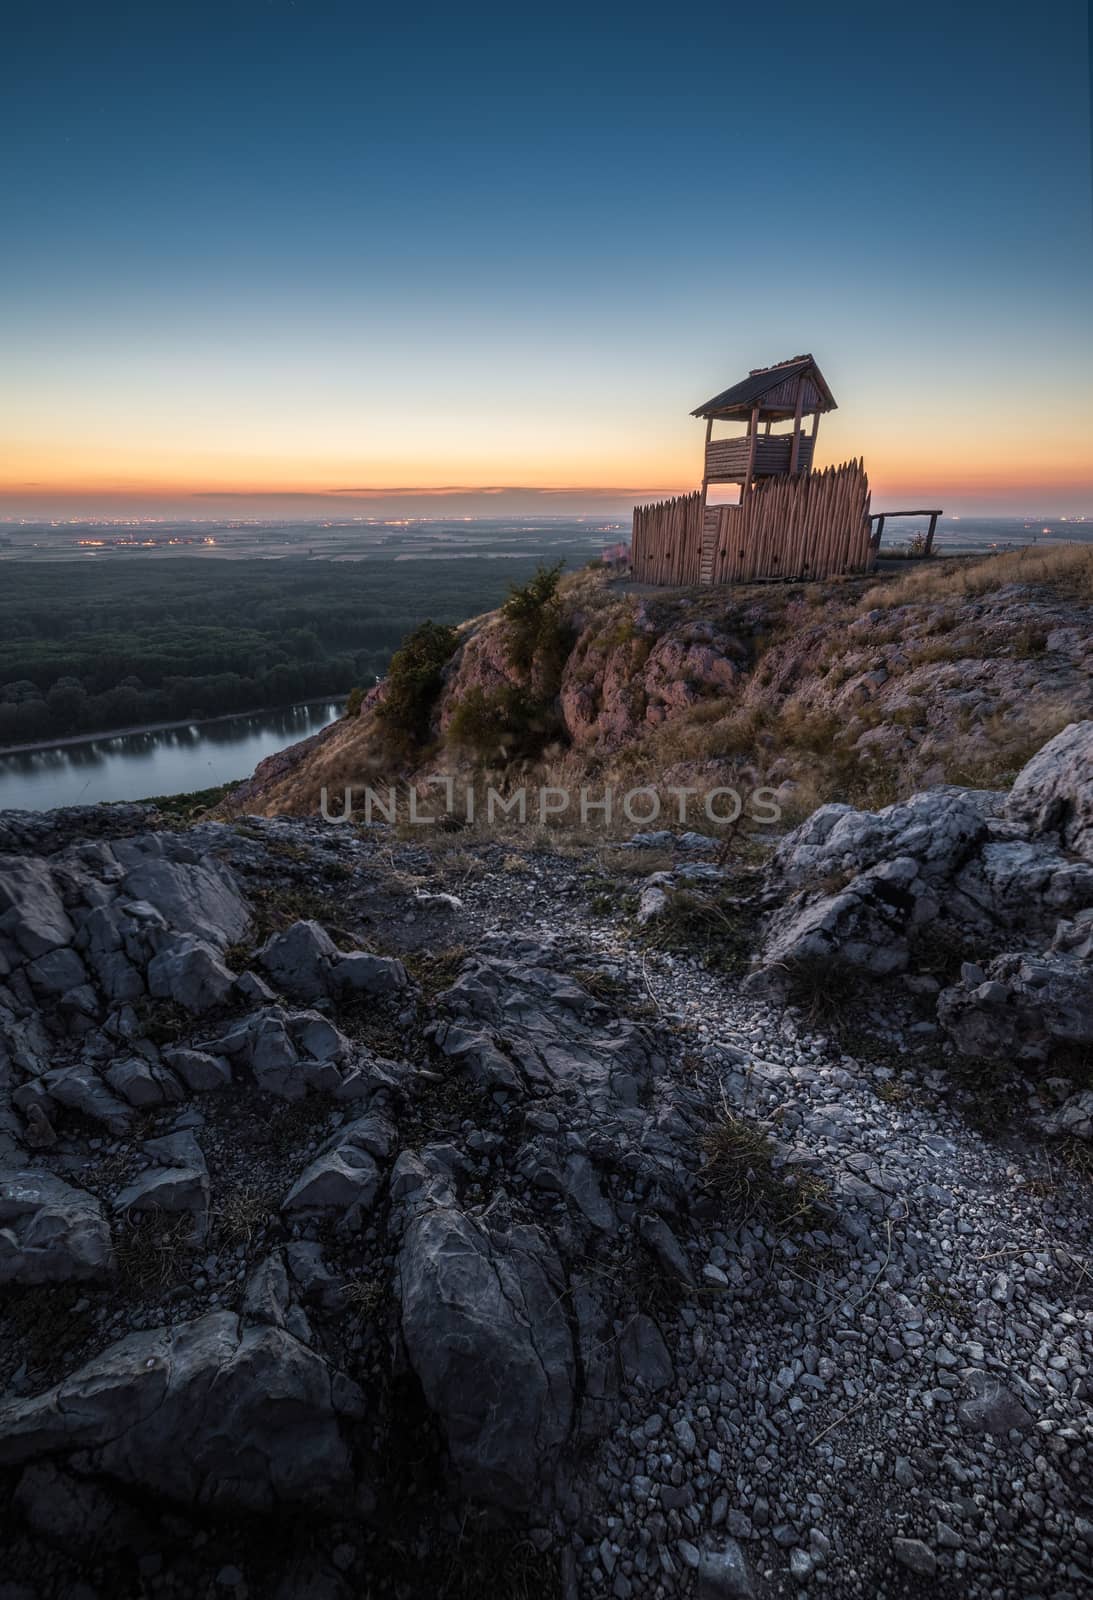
(929, 512)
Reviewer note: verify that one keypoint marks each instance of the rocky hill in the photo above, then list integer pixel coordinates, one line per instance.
(400, 1212)
(856, 691)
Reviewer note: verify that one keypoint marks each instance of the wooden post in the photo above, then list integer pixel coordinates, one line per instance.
(705, 453)
(795, 447)
(930, 534)
(815, 431)
(753, 435)
(878, 531)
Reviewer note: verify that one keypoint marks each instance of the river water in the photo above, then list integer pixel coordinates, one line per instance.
(134, 766)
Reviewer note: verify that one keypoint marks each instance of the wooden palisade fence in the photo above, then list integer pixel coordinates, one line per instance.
(666, 545)
(810, 525)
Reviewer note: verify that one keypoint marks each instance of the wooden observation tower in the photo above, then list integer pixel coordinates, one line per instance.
(791, 521)
(780, 397)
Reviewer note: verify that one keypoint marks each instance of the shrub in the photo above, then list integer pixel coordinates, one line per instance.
(414, 680)
(506, 723)
(537, 635)
(353, 701)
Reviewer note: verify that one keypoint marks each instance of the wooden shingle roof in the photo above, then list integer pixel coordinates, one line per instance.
(774, 384)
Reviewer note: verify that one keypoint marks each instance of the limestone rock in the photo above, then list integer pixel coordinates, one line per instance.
(50, 1231)
(486, 1333)
(1025, 1006)
(1054, 791)
(195, 896)
(299, 960)
(938, 830)
(199, 1070)
(81, 1089)
(190, 972)
(32, 912)
(207, 1413)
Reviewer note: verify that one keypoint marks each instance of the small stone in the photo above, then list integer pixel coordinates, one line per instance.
(800, 1565)
(916, 1556)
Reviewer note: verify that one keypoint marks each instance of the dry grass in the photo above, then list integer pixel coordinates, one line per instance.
(154, 1251)
(364, 1298)
(241, 1213)
(1066, 568)
(716, 929)
(435, 970)
(739, 1166)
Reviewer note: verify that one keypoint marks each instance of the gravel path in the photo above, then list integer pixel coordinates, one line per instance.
(897, 1403)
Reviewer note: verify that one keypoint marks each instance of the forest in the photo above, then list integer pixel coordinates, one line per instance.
(89, 648)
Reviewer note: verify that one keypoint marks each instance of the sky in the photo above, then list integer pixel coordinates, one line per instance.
(324, 259)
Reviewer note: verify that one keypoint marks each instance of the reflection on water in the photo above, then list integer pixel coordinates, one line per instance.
(132, 766)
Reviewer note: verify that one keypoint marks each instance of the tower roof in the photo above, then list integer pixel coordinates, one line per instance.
(774, 391)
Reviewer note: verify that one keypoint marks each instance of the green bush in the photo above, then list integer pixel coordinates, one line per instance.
(504, 723)
(353, 701)
(414, 680)
(537, 635)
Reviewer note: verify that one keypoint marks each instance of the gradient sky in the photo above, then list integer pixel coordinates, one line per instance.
(277, 258)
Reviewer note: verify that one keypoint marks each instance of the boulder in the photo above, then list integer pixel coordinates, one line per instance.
(273, 1059)
(168, 1189)
(80, 1088)
(50, 1231)
(1053, 793)
(56, 972)
(141, 1083)
(486, 1332)
(1022, 884)
(189, 971)
(1073, 1119)
(266, 1298)
(644, 1355)
(32, 913)
(339, 1179)
(346, 1176)
(937, 830)
(723, 1574)
(359, 972)
(199, 1070)
(865, 926)
(194, 896)
(991, 1406)
(658, 1237)
(299, 960)
(177, 1183)
(118, 978)
(556, 1036)
(207, 1413)
(317, 1037)
(1021, 1008)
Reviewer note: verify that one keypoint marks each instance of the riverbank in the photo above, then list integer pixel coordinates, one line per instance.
(42, 745)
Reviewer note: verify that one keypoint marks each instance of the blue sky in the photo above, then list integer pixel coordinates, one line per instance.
(276, 248)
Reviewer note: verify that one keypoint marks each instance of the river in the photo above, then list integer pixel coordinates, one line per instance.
(133, 766)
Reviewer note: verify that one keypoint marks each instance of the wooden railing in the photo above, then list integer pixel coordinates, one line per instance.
(727, 460)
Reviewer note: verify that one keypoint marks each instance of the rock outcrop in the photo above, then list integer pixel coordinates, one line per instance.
(207, 1413)
(857, 889)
